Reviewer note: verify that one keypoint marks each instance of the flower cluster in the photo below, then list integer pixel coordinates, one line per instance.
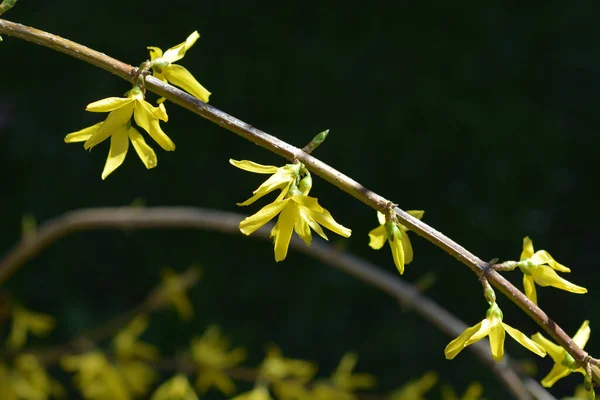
(118, 125)
(297, 211)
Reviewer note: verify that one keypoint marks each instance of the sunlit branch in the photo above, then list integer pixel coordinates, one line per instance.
(316, 166)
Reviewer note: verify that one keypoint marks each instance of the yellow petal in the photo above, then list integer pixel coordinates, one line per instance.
(302, 228)
(524, 340)
(398, 254)
(287, 220)
(556, 352)
(145, 152)
(281, 179)
(546, 276)
(558, 371)
(381, 218)
(377, 237)
(583, 334)
(324, 218)
(252, 223)
(155, 52)
(251, 166)
(146, 119)
(119, 143)
(306, 215)
(543, 257)
(407, 247)
(82, 135)
(176, 53)
(418, 214)
(108, 104)
(529, 286)
(497, 335)
(527, 248)
(115, 119)
(309, 202)
(456, 346)
(179, 76)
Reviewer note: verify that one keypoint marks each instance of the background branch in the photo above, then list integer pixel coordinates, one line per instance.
(127, 218)
(316, 166)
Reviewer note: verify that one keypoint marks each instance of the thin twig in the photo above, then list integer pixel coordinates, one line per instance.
(127, 218)
(316, 166)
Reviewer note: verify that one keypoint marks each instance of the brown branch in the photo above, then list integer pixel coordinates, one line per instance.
(127, 218)
(316, 166)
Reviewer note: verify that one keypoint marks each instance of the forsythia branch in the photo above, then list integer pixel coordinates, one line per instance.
(316, 166)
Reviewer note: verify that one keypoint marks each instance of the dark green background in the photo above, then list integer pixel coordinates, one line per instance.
(485, 116)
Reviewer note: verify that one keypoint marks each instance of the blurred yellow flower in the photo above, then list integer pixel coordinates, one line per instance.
(211, 354)
(30, 380)
(176, 388)
(276, 367)
(344, 379)
(297, 211)
(539, 268)
(138, 376)
(474, 392)
(24, 322)
(118, 127)
(415, 389)
(127, 344)
(564, 364)
(175, 292)
(95, 377)
(259, 392)
(493, 326)
(166, 71)
(396, 236)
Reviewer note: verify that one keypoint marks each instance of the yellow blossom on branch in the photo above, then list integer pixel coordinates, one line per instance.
(127, 344)
(166, 71)
(474, 392)
(138, 376)
(118, 127)
(493, 326)
(25, 322)
(564, 363)
(297, 211)
(174, 290)
(395, 234)
(176, 388)
(415, 389)
(539, 268)
(213, 357)
(259, 392)
(276, 367)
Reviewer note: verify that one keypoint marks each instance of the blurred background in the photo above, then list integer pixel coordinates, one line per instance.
(484, 116)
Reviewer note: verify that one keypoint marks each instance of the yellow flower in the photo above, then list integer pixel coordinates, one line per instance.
(344, 379)
(297, 211)
(25, 321)
(539, 268)
(396, 236)
(138, 376)
(564, 363)
(118, 127)
(95, 377)
(276, 367)
(283, 178)
(127, 344)
(259, 392)
(211, 355)
(166, 71)
(173, 289)
(493, 326)
(176, 388)
(30, 380)
(415, 389)
(474, 392)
